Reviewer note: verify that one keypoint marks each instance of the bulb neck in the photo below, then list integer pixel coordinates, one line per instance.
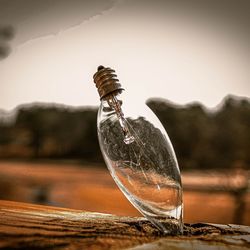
(106, 82)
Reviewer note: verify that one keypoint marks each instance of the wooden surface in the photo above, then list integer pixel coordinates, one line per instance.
(27, 226)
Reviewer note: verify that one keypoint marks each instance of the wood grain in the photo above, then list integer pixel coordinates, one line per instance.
(27, 226)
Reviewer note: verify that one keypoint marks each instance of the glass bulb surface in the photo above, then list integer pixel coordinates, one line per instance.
(142, 162)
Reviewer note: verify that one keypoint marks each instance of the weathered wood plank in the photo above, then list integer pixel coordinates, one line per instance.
(27, 226)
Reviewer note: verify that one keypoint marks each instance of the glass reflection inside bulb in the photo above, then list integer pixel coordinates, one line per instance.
(142, 162)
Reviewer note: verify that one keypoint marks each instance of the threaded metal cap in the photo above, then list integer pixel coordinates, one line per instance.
(106, 81)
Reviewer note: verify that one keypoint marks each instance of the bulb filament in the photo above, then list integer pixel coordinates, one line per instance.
(115, 104)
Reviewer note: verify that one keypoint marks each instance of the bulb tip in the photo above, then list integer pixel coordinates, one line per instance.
(100, 68)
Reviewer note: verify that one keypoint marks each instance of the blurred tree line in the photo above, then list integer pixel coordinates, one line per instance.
(206, 139)
(201, 138)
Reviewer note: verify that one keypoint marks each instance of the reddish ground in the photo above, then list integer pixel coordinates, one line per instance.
(206, 196)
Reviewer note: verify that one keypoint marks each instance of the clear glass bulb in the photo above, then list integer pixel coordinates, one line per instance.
(141, 160)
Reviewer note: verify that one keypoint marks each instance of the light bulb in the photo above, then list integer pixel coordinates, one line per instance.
(139, 155)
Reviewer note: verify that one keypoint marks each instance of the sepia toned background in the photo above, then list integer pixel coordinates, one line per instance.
(188, 60)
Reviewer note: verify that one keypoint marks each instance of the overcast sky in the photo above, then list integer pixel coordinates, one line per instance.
(183, 51)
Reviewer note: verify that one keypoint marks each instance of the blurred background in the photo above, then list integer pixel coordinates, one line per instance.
(189, 60)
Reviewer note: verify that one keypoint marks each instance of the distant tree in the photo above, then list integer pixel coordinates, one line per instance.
(207, 140)
(232, 137)
(31, 119)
